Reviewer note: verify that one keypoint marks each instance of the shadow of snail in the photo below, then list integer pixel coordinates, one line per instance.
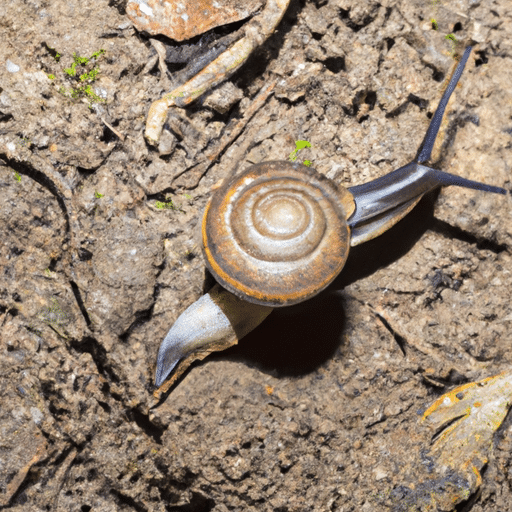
(279, 233)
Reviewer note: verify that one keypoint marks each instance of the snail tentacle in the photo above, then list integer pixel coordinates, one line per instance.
(425, 149)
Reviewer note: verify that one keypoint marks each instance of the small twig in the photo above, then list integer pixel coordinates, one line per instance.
(40, 169)
(257, 31)
(19, 477)
(160, 51)
(231, 132)
(112, 129)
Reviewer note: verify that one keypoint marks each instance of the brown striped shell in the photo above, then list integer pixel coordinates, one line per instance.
(277, 234)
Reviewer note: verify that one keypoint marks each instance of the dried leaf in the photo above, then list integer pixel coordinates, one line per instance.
(464, 422)
(181, 19)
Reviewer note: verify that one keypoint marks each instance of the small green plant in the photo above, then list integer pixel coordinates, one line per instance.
(17, 176)
(453, 43)
(82, 73)
(434, 24)
(48, 272)
(299, 145)
(97, 53)
(91, 75)
(169, 204)
(97, 195)
(166, 205)
(83, 61)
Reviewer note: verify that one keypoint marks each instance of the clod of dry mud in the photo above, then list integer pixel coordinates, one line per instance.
(320, 408)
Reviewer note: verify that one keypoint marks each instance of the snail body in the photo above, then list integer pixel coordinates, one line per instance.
(279, 233)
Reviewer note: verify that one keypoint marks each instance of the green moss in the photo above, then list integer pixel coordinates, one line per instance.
(166, 205)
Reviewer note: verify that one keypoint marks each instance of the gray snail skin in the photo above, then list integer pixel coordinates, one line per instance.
(279, 233)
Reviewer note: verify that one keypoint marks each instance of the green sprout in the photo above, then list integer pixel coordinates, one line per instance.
(97, 195)
(83, 78)
(434, 24)
(81, 61)
(453, 43)
(91, 75)
(168, 204)
(299, 145)
(71, 71)
(17, 176)
(96, 54)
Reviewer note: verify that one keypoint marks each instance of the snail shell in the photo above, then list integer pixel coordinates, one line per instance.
(277, 234)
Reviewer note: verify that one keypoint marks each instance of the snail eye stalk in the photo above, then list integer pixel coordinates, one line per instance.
(427, 145)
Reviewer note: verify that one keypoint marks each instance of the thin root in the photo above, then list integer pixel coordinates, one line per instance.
(258, 30)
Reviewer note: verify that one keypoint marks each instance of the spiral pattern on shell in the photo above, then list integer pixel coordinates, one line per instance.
(277, 233)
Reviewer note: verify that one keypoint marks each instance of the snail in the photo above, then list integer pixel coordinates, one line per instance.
(280, 232)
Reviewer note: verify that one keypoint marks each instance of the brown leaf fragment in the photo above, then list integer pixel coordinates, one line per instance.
(181, 19)
(463, 422)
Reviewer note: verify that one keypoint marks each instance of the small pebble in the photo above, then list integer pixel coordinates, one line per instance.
(11, 67)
